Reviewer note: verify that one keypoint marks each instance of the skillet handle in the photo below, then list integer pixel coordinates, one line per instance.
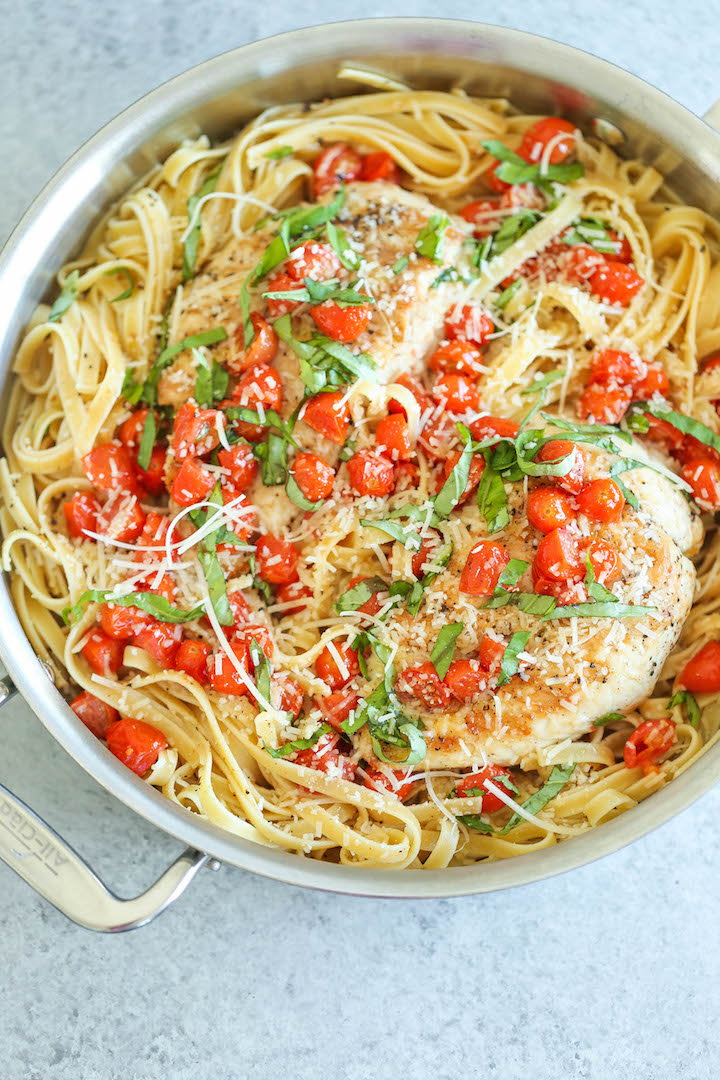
(42, 858)
(712, 116)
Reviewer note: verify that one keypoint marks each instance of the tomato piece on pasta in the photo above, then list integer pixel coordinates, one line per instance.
(242, 464)
(558, 449)
(110, 467)
(474, 784)
(461, 357)
(456, 393)
(392, 438)
(262, 348)
(328, 414)
(468, 323)
(160, 640)
(81, 514)
(616, 283)
(552, 132)
(648, 743)
(485, 562)
(312, 260)
(380, 166)
(701, 675)
(601, 500)
(336, 707)
(370, 474)
(294, 592)
(337, 163)
(193, 483)
(313, 476)
(278, 306)
(466, 680)
(192, 657)
(343, 324)
(559, 557)
(276, 559)
(549, 508)
(104, 654)
(477, 468)
(95, 714)
(376, 780)
(337, 665)
(703, 476)
(136, 744)
(423, 684)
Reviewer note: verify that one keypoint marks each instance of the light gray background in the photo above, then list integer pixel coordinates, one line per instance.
(609, 972)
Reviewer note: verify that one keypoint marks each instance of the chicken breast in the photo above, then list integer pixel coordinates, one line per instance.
(572, 671)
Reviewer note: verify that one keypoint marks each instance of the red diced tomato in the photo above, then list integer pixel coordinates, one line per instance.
(392, 437)
(325, 757)
(647, 744)
(242, 464)
(224, 676)
(556, 450)
(624, 254)
(121, 622)
(160, 640)
(468, 323)
(296, 591)
(456, 393)
(328, 414)
(337, 163)
(610, 365)
(260, 385)
(484, 565)
(312, 260)
(110, 468)
(483, 214)
(549, 508)
(336, 707)
(423, 684)
(282, 283)
(565, 592)
(493, 180)
(429, 546)
(333, 674)
(466, 680)
(276, 560)
(488, 426)
(616, 283)
(81, 514)
(260, 635)
(192, 483)
(262, 348)
(490, 653)
(438, 436)
(477, 468)
(424, 400)
(604, 561)
(341, 324)
(376, 601)
(703, 476)
(192, 658)
(601, 500)
(654, 382)
(380, 166)
(475, 782)
(291, 696)
(153, 535)
(551, 129)
(195, 431)
(95, 714)
(661, 431)
(104, 654)
(153, 478)
(559, 558)
(604, 404)
(313, 476)
(135, 743)
(370, 474)
(463, 357)
(122, 518)
(376, 780)
(701, 675)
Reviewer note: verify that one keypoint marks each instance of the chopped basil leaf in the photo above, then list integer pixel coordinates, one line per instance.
(211, 380)
(131, 286)
(348, 450)
(686, 424)
(407, 536)
(541, 382)
(594, 232)
(444, 648)
(192, 241)
(216, 584)
(402, 264)
(621, 466)
(429, 241)
(609, 718)
(293, 492)
(279, 152)
(439, 558)
(273, 457)
(340, 244)
(515, 170)
(512, 229)
(512, 573)
(207, 337)
(297, 225)
(147, 440)
(67, 297)
(417, 748)
(556, 782)
(509, 663)
(131, 390)
(324, 362)
(601, 610)
(244, 302)
(269, 419)
(692, 709)
(530, 603)
(597, 591)
(298, 744)
(317, 292)
(507, 294)
(492, 500)
(453, 489)
(263, 671)
(450, 273)
(259, 583)
(355, 598)
(150, 602)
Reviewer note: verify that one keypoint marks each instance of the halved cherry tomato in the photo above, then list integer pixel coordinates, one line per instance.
(380, 166)
(654, 382)
(160, 640)
(122, 518)
(81, 514)
(483, 214)
(616, 283)
(456, 393)
(578, 263)
(291, 696)
(468, 323)
(110, 468)
(392, 437)
(336, 707)
(429, 546)
(341, 324)
(466, 680)
(195, 431)
(276, 559)
(262, 348)
(494, 181)
(691, 449)
(95, 714)
(661, 431)
(376, 601)
(312, 260)
(313, 476)
(370, 474)
(625, 253)
(424, 684)
(379, 781)
(703, 476)
(282, 282)
(488, 426)
(424, 400)
(325, 757)
(490, 653)
(192, 483)
(242, 464)
(130, 431)
(135, 743)
(549, 508)
(153, 535)
(556, 450)
(260, 635)
(438, 436)
(328, 414)
(604, 404)
(152, 479)
(338, 162)
(241, 610)
(565, 592)
(333, 674)
(463, 357)
(294, 590)
(559, 558)
(121, 622)
(484, 565)
(538, 137)
(475, 781)
(648, 742)
(601, 500)
(477, 468)
(260, 385)
(611, 365)
(192, 658)
(224, 676)
(104, 654)
(701, 675)
(604, 561)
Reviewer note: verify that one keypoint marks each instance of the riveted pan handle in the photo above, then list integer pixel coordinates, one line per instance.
(42, 858)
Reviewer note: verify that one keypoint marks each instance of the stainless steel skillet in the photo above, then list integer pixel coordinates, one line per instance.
(540, 76)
